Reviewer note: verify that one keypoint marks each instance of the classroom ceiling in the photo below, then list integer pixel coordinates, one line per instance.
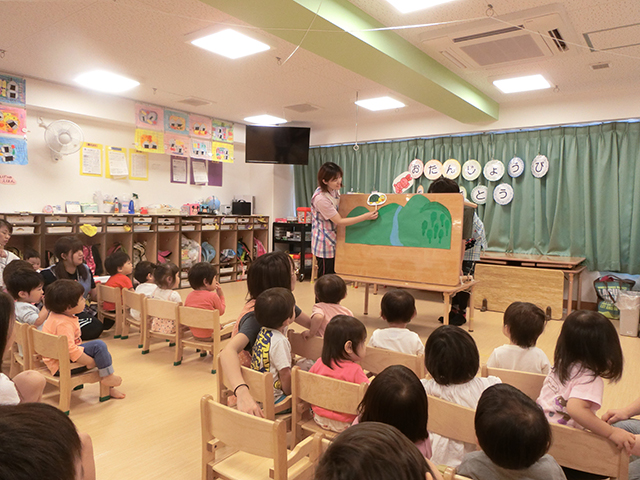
(56, 40)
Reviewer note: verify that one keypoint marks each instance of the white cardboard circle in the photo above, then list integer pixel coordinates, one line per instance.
(503, 194)
(416, 167)
(516, 167)
(451, 169)
(539, 166)
(433, 169)
(471, 170)
(494, 170)
(463, 191)
(479, 194)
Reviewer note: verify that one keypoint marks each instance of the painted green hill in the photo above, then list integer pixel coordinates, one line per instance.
(376, 232)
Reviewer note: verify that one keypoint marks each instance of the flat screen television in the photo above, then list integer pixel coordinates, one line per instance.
(284, 145)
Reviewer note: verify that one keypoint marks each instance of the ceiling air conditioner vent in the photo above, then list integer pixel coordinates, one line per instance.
(558, 40)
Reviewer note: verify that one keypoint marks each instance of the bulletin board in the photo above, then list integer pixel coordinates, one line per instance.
(416, 238)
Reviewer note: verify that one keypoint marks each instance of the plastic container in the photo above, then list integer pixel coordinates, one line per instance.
(628, 303)
(304, 214)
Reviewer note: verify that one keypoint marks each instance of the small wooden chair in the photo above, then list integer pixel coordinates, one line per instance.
(20, 361)
(113, 295)
(260, 444)
(325, 392)
(451, 420)
(377, 359)
(449, 473)
(200, 318)
(132, 301)
(306, 348)
(155, 307)
(528, 383)
(57, 347)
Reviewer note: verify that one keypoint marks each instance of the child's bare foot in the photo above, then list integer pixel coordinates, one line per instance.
(112, 380)
(115, 393)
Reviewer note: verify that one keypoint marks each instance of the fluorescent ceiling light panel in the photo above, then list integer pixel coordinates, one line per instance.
(407, 6)
(104, 81)
(265, 120)
(522, 84)
(380, 103)
(230, 44)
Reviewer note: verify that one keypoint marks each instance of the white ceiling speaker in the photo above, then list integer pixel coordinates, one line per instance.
(63, 137)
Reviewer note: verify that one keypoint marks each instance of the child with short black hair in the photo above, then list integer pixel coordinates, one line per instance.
(452, 359)
(143, 274)
(330, 290)
(166, 277)
(207, 294)
(514, 437)
(64, 300)
(33, 257)
(344, 345)
(523, 323)
(25, 286)
(397, 307)
(6, 257)
(275, 311)
(119, 266)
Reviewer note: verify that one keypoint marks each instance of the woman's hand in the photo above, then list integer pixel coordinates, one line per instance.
(371, 215)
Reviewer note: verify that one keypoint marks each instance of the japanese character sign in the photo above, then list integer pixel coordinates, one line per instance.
(479, 194)
(515, 167)
(416, 167)
(540, 166)
(451, 169)
(433, 169)
(494, 170)
(503, 194)
(471, 170)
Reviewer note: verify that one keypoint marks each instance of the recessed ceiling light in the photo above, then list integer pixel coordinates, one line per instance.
(380, 103)
(407, 6)
(522, 84)
(230, 44)
(265, 120)
(104, 81)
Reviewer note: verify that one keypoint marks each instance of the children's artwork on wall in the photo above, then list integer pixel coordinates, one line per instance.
(222, 152)
(433, 169)
(179, 168)
(149, 141)
(494, 170)
(12, 90)
(471, 170)
(176, 122)
(91, 159)
(7, 180)
(479, 194)
(451, 169)
(138, 165)
(200, 126)
(416, 167)
(179, 145)
(222, 131)
(402, 182)
(13, 121)
(13, 151)
(149, 117)
(540, 166)
(515, 167)
(201, 148)
(503, 194)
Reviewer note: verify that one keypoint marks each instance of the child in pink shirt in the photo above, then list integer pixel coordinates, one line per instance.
(207, 294)
(330, 290)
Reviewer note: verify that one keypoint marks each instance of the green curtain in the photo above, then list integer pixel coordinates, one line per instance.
(587, 205)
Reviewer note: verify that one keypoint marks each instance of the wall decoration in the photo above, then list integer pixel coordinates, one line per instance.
(13, 121)
(12, 90)
(402, 182)
(416, 168)
(215, 174)
(179, 145)
(91, 159)
(222, 152)
(463, 191)
(199, 172)
(199, 126)
(179, 168)
(471, 170)
(451, 169)
(13, 151)
(117, 163)
(7, 180)
(515, 167)
(176, 122)
(503, 194)
(149, 141)
(479, 194)
(433, 169)
(494, 170)
(540, 166)
(138, 165)
(149, 117)
(221, 131)
(201, 148)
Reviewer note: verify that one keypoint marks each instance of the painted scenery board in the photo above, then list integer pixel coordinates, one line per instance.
(416, 238)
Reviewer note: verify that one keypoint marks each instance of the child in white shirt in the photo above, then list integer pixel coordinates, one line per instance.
(143, 274)
(330, 290)
(523, 324)
(398, 307)
(25, 286)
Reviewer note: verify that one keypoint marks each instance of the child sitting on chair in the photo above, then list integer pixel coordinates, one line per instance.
(33, 257)
(523, 324)
(119, 266)
(514, 436)
(25, 286)
(207, 294)
(64, 300)
(143, 275)
(275, 311)
(166, 278)
(398, 307)
(330, 290)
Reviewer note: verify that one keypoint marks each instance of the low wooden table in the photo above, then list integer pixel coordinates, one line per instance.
(446, 290)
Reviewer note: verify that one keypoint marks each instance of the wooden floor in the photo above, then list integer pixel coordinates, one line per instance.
(155, 432)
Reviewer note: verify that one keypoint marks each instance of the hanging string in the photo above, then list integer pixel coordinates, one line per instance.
(356, 147)
(305, 33)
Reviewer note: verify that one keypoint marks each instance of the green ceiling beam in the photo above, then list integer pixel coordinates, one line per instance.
(382, 56)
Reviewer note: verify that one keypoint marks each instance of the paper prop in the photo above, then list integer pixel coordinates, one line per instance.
(199, 126)
(149, 117)
(433, 169)
(471, 170)
(13, 151)
(12, 90)
(479, 194)
(91, 159)
(149, 141)
(177, 145)
(222, 152)
(416, 167)
(503, 194)
(176, 122)
(515, 167)
(402, 182)
(13, 121)
(463, 191)
(376, 199)
(138, 165)
(200, 148)
(178, 170)
(494, 170)
(420, 189)
(117, 164)
(221, 131)
(540, 166)
(451, 169)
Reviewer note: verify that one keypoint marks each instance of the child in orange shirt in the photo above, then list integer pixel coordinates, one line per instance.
(119, 266)
(207, 294)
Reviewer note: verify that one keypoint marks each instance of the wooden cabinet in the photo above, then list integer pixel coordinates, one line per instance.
(295, 239)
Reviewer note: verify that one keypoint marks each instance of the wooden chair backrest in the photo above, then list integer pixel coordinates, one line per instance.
(131, 299)
(528, 383)
(377, 359)
(161, 308)
(451, 420)
(449, 473)
(52, 346)
(587, 452)
(21, 337)
(325, 392)
(311, 348)
(199, 318)
(108, 294)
